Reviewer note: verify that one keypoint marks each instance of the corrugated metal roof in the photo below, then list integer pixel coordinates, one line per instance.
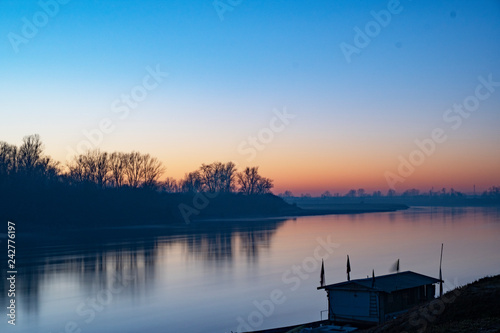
(387, 283)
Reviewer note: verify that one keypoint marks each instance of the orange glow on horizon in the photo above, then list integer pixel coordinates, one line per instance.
(302, 170)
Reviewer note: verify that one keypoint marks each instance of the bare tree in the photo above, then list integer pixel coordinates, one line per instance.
(252, 183)
(413, 192)
(102, 170)
(247, 179)
(30, 153)
(117, 165)
(191, 182)
(493, 191)
(32, 162)
(92, 167)
(264, 185)
(218, 177)
(326, 194)
(134, 169)
(117, 169)
(209, 176)
(228, 177)
(391, 193)
(286, 194)
(351, 193)
(8, 159)
(170, 185)
(152, 169)
(77, 170)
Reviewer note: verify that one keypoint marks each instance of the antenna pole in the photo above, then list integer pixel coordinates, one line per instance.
(440, 273)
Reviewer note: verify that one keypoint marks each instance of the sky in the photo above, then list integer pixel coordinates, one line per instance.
(321, 95)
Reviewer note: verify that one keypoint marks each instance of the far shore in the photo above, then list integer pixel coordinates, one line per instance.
(339, 209)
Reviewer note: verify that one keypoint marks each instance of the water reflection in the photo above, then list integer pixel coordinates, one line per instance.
(435, 214)
(90, 268)
(450, 214)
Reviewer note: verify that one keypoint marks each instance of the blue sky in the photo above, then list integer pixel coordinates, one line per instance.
(226, 76)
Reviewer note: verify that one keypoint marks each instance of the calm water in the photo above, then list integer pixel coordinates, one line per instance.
(245, 275)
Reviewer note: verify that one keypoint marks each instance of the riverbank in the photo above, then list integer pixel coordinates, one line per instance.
(67, 208)
(413, 201)
(474, 307)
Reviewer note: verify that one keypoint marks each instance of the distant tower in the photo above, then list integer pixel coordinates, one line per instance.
(474, 189)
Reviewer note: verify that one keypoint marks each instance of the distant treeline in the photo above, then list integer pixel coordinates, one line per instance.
(28, 163)
(492, 193)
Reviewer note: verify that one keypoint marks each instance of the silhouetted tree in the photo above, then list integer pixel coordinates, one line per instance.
(30, 152)
(101, 167)
(326, 194)
(152, 169)
(391, 193)
(117, 165)
(264, 185)
(413, 192)
(455, 193)
(191, 182)
(76, 169)
(493, 192)
(248, 179)
(170, 185)
(134, 169)
(31, 161)
(218, 177)
(251, 182)
(351, 193)
(209, 175)
(8, 159)
(91, 167)
(228, 177)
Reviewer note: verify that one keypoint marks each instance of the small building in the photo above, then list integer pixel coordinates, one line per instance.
(374, 300)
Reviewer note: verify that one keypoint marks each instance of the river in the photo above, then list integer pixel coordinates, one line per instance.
(222, 277)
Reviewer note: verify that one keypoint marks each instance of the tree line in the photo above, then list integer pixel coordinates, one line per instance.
(27, 160)
(491, 192)
(29, 163)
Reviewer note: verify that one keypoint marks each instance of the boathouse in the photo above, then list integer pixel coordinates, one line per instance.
(377, 299)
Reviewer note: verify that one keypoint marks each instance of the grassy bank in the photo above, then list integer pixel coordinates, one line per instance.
(471, 308)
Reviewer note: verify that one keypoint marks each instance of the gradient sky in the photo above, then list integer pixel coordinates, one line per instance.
(226, 78)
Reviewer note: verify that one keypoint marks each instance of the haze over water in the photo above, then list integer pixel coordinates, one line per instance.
(203, 278)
